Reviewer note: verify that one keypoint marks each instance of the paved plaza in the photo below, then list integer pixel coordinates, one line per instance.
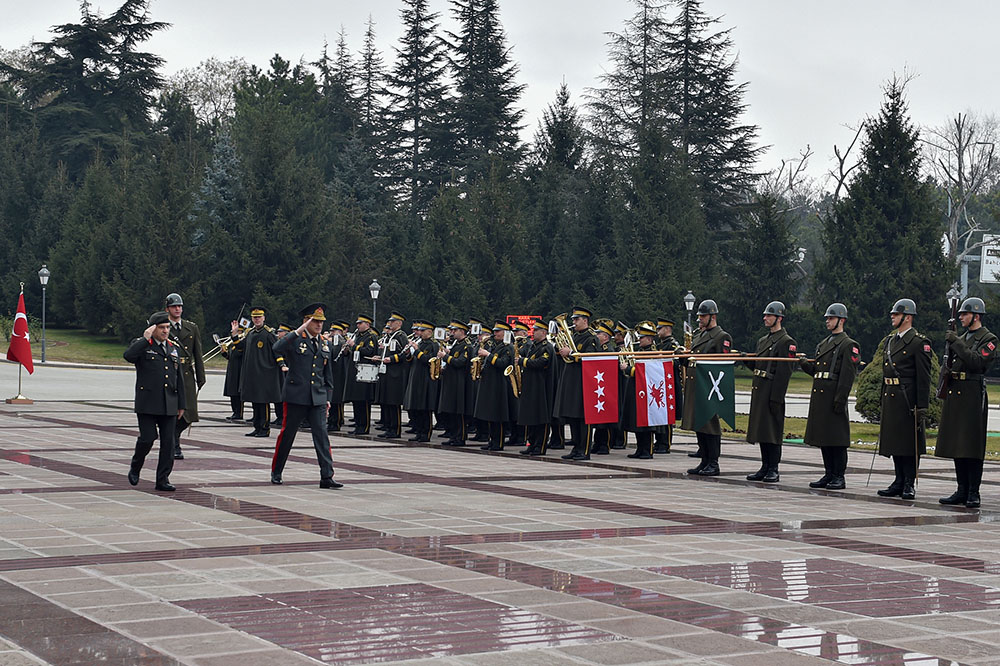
(439, 556)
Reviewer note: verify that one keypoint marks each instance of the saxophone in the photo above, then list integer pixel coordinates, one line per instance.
(513, 373)
(476, 365)
(434, 368)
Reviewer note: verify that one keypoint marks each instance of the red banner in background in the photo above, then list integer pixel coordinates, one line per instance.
(20, 347)
(600, 389)
(527, 319)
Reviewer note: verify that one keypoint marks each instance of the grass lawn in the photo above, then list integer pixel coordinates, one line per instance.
(78, 346)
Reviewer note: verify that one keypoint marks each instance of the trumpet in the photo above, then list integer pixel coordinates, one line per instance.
(564, 337)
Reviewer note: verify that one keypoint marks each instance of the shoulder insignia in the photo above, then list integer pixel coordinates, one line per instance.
(725, 343)
(927, 348)
(991, 346)
(855, 354)
(791, 348)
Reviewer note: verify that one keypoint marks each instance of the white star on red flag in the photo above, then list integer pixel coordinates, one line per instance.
(599, 391)
(599, 377)
(599, 406)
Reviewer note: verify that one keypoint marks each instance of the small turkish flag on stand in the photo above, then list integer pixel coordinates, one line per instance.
(600, 389)
(20, 348)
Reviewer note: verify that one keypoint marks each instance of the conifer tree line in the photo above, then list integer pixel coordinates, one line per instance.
(275, 187)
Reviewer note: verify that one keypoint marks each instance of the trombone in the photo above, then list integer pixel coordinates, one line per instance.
(222, 345)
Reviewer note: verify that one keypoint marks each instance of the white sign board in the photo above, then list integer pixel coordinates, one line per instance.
(989, 267)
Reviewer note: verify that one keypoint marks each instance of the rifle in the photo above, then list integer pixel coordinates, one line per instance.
(944, 379)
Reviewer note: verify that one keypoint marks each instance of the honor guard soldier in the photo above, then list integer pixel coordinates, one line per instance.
(833, 371)
(766, 426)
(310, 376)
(643, 434)
(364, 353)
(569, 394)
(186, 334)
(962, 433)
(159, 397)
(535, 409)
(421, 391)
(232, 351)
(664, 435)
(604, 433)
(279, 413)
(906, 390)
(710, 339)
(455, 400)
(491, 401)
(260, 379)
(394, 376)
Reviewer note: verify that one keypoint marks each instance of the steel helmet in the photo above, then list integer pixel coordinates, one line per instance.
(174, 299)
(836, 310)
(904, 306)
(776, 308)
(708, 307)
(973, 305)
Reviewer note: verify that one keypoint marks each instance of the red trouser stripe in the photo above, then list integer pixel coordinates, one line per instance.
(277, 444)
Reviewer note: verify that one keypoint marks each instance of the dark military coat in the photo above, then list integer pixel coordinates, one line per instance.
(260, 379)
(962, 433)
(628, 400)
(341, 365)
(770, 382)
(833, 372)
(537, 362)
(906, 384)
(310, 369)
(494, 387)
(455, 396)
(159, 377)
(421, 391)
(569, 393)
(709, 341)
(234, 364)
(392, 384)
(365, 347)
(189, 340)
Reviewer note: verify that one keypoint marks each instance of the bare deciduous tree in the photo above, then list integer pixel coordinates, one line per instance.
(210, 87)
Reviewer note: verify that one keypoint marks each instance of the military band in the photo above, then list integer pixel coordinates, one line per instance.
(260, 379)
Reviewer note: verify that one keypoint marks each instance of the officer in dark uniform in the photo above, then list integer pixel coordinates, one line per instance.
(491, 401)
(517, 434)
(962, 433)
(710, 339)
(906, 389)
(833, 371)
(341, 359)
(766, 426)
(643, 434)
(159, 397)
(484, 340)
(310, 376)
(535, 413)
(232, 351)
(260, 379)
(569, 394)
(618, 437)
(604, 433)
(393, 381)
(664, 435)
(421, 391)
(363, 351)
(186, 334)
(455, 399)
(279, 413)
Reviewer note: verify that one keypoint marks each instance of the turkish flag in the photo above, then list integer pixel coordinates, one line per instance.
(20, 347)
(655, 393)
(600, 389)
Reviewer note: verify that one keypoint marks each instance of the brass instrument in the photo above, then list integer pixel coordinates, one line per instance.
(434, 368)
(225, 344)
(629, 346)
(513, 373)
(564, 337)
(476, 365)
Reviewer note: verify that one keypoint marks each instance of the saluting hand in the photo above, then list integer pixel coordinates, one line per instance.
(234, 327)
(148, 333)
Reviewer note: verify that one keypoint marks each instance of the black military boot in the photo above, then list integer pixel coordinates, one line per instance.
(711, 468)
(909, 490)
(836, 483)
(771, 476)
(895, 488)
(822, 482)
(975, 477)
(960, 496)
(762, 472)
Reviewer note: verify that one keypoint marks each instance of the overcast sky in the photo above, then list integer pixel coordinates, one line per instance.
(813, 66)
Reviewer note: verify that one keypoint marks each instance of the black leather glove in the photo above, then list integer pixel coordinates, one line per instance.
(839, 407)
(951, 336)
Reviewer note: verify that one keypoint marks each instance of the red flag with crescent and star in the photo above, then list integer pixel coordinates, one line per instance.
(20, 346)
(655, 393)
(600, 389)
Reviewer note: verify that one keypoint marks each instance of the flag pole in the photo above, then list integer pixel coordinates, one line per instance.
(20, 399)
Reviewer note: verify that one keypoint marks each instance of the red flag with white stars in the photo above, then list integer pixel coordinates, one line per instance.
(655, 393)
(600, 389)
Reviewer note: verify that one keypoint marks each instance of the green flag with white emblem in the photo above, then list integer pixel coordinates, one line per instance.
(715, 392)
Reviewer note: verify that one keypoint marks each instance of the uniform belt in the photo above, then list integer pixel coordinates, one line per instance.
(832, 376)
(965, 375)
(892, 381)
(763, 373)
(895, 381)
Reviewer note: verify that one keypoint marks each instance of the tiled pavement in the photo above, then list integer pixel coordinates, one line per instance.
(430, 555)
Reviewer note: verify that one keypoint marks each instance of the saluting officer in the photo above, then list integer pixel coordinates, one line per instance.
(962, 433)
(310, 376)
(906, 389)
(260, 379)
(491, 401)
(159, 397)
(393, 380)
(643, 434)
(363, 351)
(186, 334)
(569, 394)
(710, 339)
(455, 399)
(421, 391)
(766, 426)
(535, 412)
(833, 371)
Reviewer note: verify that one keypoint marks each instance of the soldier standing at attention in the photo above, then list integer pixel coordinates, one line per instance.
(568, 404)
(491, 400)
(664, 435)
(157, 362)
(363, 351)
(833, 371)
(233, 353)
(906, 389)
(962, 434)
(421, 396)
(454, 399)
(535, 412)
(643, 434)
(766, 426)
(393, 381)
(186, 334)
(260, 379)
(710, 339)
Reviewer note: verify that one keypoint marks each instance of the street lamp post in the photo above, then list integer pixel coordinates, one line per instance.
(689, 300)
(43, 277)
(374, 288)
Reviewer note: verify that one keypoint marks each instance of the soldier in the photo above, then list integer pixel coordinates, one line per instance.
(484, 340)
(833, 371)
(491, 400)
(569, 394)
(186, 334)
(643, 434)
(363, 352)
(283, 330)
(962, 433)
(454, 397)
(421, 391)
(393, 380)
(664, 435)
(260, 379)
(604, 433)
(619, 436)
(766, 426)
(535, 413)
(341, 358)
(710, 339)
(232, 351)
(517, 435)
(156, 408)
(906, 389)
(310, 376)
